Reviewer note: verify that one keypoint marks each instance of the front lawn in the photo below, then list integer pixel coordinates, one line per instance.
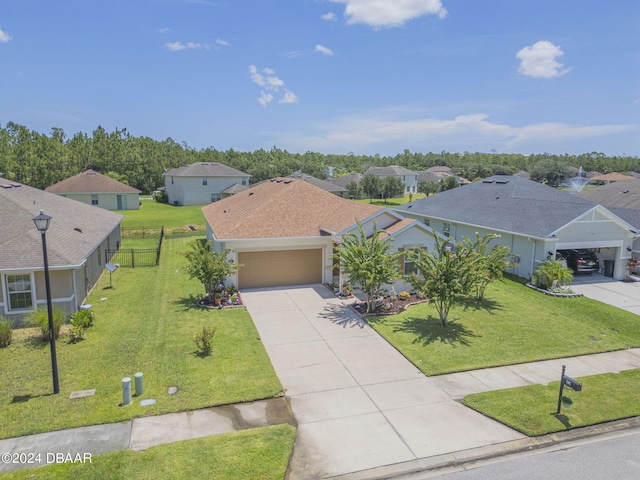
(532, 409)
(153, 215)
(147, 324)
(257, 453)
(393, 202)
(513, 324)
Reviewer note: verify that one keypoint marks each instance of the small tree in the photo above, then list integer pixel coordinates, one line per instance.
(367, 261)
(487, 264)
(428, 188)
(392, 187)
(209, 267)
(371, 185)
(354, 190)
(441, 275)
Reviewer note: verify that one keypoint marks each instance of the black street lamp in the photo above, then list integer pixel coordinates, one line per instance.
(42, 224)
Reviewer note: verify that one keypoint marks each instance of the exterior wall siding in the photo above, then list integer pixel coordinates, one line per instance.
(108, 201)
(191, 191)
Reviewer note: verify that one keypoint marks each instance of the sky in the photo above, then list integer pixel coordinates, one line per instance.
(332, 76)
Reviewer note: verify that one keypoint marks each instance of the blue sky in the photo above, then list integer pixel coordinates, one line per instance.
(332, 76)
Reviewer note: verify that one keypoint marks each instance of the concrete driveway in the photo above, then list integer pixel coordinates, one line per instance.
(607, 290)
(359, 403)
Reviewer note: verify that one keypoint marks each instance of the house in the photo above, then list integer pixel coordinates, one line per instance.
(408, 177)
(534, 221)
(283, 232)
(201, 183)
(323, 184)
(95, 189)
(345, 180)
(608, 178)
(79, 240)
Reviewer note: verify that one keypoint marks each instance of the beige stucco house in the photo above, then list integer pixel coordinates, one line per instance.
(78, 238)
(283, 232)
(95, 189)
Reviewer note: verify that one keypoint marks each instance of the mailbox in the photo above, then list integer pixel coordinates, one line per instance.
(571, 383)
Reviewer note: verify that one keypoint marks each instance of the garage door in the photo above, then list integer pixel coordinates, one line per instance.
(279, 267)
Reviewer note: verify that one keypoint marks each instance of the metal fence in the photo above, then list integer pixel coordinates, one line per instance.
(137, 257)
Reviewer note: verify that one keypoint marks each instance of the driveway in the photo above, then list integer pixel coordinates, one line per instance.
(624, 295)
(359, 403)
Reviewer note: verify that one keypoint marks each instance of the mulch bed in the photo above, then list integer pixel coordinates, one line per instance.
(389, 305)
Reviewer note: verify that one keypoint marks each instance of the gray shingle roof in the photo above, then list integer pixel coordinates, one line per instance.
(74, 232)
(506, 203)
(390, 170)
(90, 181)
(323, 184)
(346, 179)
(622, 194)
(206, 169)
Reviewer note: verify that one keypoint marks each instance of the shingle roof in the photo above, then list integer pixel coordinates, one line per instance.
(346, 179)
(74, 232)
(439, 168)
(506, 203)
(610, 177)
(622, 194)
(90, 181)
(390, 170)
(235, 188)
(283, 207)
(323, 184)
(206, 169)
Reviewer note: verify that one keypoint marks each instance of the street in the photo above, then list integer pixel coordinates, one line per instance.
(611, 459)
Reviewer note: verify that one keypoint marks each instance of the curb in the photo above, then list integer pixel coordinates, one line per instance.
(475, 457)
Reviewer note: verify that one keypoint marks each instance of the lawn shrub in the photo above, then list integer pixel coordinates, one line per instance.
(404, 295)
(204, 341)
(83, 318)
(6, 332)
(40, 319)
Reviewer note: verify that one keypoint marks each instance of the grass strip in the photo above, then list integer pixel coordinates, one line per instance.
(532, 409)
(257, 453)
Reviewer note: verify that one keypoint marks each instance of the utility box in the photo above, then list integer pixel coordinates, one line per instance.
(139, 381)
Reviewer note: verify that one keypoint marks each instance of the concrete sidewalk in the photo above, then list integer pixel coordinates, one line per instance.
(361, 405)
(142, 433)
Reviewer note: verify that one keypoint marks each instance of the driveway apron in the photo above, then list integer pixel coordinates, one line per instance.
(359, 403)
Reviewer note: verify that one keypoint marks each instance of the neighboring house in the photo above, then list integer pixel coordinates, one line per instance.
(283, 231)
(534, 220)
(608, 178)
(345, 180)
(323, 184)
(95, 189)
(77, 242)
(201, 183)
(408, 177)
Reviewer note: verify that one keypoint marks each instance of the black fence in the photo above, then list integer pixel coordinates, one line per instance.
(137, 257)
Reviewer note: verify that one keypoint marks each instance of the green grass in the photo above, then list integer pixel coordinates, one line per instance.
(147, 324)
(392, 202)
(260, 453)
(532, 409)
(513, 324)
(153, 215)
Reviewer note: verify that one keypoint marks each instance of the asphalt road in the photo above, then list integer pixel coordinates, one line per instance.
(611, 459)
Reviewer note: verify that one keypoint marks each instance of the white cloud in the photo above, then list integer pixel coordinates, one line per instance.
(323, 50)
(289, 97)
(163, 30)
(539, 60)
(178, 46)
(270, 82)
(389, 13)
(391, 131)
(4, 36)
(224, 43)
(330, 16)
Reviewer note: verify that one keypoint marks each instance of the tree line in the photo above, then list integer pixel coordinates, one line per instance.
(40, 160)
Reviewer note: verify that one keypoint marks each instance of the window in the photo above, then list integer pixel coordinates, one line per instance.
(94, 199)
(171, 180)
(99, 258)
(215, 197)
(407, 267)
(19, 292)
(426, 221)
(244, 181)
(447, 229)
(204, 181)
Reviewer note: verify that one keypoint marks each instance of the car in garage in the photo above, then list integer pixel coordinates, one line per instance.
(581, 260)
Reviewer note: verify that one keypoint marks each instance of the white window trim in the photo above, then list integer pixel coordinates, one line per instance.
(7, 300)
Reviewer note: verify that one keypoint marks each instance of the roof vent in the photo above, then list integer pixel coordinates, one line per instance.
(272, 180)
(487, 181)
(287, 181)
(251, 193)
(78, 230)
(5, 186)
(502, 182)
